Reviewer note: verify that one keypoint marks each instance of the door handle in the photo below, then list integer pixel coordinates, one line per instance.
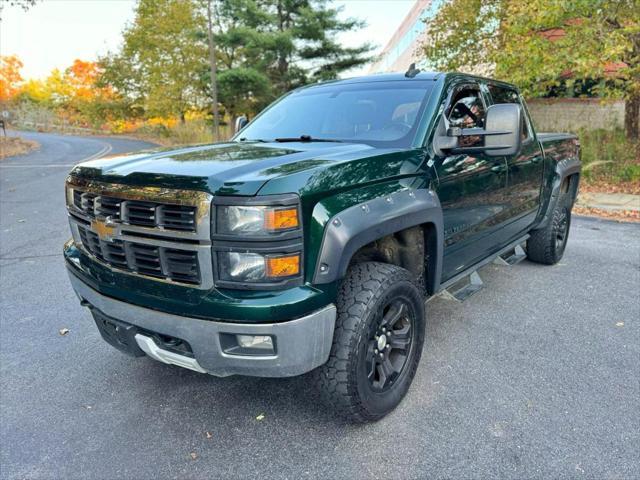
(536, 159)
(499, 168)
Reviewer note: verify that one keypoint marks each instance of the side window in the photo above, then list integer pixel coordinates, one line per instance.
(466, 110)
(508, 95)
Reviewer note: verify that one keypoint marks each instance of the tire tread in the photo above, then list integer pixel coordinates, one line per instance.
(363, 285)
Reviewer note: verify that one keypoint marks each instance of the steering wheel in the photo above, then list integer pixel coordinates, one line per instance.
(467, 111)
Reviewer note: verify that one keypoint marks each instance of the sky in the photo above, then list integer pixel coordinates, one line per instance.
(53, 33)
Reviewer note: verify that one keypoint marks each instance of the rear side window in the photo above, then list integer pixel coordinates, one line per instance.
(503, 95)
(509, 95)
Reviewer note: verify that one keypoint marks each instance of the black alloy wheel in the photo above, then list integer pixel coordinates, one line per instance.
(390, 344)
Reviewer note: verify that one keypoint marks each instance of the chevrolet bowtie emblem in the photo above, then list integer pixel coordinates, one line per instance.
(102, 228)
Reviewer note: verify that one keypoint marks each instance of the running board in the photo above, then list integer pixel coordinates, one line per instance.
(472, 286)
(511, 257)
(513, 252)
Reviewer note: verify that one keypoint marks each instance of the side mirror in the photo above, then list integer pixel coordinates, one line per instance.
(501, 133)
(241, 122)
(506, 120)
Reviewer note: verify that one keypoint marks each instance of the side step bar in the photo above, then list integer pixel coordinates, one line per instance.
(509, 255)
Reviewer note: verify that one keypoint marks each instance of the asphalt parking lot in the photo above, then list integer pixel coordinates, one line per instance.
(536, 376)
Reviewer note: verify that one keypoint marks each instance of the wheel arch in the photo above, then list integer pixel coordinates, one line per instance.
(358, 226)
(566, 178)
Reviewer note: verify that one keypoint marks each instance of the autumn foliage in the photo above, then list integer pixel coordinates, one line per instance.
(73, 95)
(10, 78)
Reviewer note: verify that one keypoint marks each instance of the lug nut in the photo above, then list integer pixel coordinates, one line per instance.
(375, 351)
(384, 329)
(388, 346)
(382, 355)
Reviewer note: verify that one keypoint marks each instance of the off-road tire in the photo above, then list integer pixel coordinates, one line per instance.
(545, 245)
(363, 295)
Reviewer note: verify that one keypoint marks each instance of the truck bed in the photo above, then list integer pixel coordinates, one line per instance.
(560, 146)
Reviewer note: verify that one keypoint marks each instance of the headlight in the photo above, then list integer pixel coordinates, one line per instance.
(253, 267)
(257, 242)
(256, 220)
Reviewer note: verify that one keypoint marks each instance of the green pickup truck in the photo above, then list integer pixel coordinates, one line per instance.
(311, 240)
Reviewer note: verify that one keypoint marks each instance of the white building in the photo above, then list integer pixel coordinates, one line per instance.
(404, 47)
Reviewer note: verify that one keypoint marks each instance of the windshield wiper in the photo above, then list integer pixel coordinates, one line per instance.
(306, 138)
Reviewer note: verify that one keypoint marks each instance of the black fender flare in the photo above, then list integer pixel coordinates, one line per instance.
(349, 230)
(564, 169)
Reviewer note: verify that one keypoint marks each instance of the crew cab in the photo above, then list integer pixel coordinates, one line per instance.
(310, 241)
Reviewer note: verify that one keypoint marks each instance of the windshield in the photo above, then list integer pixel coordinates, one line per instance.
(384, 114)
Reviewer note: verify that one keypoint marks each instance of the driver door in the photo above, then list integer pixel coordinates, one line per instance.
(471, 187)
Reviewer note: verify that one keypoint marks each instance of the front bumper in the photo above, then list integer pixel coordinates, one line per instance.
(301, 344)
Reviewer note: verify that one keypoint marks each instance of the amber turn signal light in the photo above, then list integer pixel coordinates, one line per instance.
(281, 219)
(285, 266)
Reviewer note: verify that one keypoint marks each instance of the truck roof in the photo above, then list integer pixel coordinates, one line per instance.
(396, 76)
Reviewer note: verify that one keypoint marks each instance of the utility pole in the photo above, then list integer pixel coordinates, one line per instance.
(214, 87)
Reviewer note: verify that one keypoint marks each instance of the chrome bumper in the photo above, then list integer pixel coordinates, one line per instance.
(302, 344)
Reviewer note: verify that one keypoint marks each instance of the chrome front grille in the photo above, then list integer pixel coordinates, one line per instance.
(161, 262)
(133, 212)
(162, 234)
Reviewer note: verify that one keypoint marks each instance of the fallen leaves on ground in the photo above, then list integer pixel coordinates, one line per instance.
(208, 434)
(260, 417)
(619, 215)
(632, 188)
(620, 324)
(63, 331)
(12, 146)
(193, 455)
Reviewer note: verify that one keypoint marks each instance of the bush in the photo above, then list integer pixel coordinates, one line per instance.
(608, 157)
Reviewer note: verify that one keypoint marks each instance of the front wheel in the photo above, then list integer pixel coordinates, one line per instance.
(377, 342)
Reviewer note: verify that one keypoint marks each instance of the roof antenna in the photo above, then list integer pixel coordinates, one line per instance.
(412, 72)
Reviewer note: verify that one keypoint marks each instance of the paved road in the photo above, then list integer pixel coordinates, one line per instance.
(536, 376)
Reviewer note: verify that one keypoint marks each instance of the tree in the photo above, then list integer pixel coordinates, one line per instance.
(213, 70)
(163, 61)
(293, 42)
(243, 90)
(543, 44)
(10, 78)
(23, 4)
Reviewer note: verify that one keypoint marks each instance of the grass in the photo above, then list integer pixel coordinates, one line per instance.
(13, 146)
(189, 133)
(609, 161)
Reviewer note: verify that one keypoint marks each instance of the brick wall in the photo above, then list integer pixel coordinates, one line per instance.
(572, 114)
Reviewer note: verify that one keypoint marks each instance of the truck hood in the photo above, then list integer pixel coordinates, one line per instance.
(222, 169)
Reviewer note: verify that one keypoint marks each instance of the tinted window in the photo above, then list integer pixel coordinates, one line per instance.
(377, 113)
(503, 95)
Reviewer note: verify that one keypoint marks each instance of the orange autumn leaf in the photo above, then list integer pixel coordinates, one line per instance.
(10, 78)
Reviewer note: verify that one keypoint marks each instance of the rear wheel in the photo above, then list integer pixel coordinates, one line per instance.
(547, 245)
(377, 342)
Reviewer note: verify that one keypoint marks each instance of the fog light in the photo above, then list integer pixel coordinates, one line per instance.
(262, 342)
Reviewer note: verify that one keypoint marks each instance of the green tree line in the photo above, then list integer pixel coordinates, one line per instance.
(263, 48)
(546, 47)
